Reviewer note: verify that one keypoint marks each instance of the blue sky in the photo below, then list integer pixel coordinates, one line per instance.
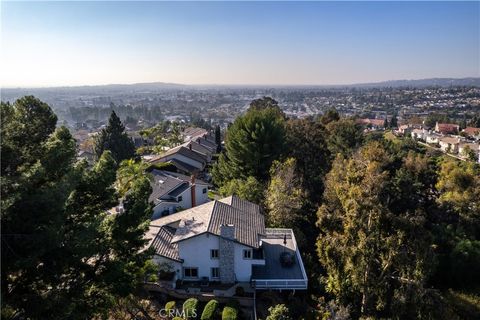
(75, 43)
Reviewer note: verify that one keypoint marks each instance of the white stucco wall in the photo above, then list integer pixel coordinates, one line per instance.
(201, 197)
(243, 267)
(161, 207)
(196, 253)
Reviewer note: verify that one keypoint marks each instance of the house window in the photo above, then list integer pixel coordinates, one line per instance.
(247, 254)
(215, 273)
(214, 254)
(204, 190)
(190, 272)
(180, 199)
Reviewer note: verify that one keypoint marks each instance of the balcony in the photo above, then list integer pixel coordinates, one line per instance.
(274, 274)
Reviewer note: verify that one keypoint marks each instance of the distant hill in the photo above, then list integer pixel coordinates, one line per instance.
(421, 83)
(149, 87)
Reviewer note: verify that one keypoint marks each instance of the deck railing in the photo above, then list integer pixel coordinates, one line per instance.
(283, 283)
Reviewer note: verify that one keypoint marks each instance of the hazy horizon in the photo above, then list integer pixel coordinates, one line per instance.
(227, 84)
(236, 43)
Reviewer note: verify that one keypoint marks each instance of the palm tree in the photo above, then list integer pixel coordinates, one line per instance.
(127, 173)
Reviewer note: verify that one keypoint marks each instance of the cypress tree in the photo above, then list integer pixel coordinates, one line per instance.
(115, 139)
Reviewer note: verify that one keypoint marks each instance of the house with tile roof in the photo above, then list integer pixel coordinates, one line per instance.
(173, 191)
(446, 128)
(225, 241)
(472, 132)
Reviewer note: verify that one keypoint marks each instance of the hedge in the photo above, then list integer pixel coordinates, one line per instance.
(229, 313)
(190, 308)
(210, 310)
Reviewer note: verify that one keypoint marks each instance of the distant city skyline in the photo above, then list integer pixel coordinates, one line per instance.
(236, 43)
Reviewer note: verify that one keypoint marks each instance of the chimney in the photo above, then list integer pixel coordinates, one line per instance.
(190, 146)
(227, 253)
(192, 190)
(227, 231)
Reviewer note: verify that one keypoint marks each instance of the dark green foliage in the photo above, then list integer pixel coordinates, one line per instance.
(386, 124)
(331, 115)
(306, 141)
(63, 257)
(24, 126)
(433, 118)
(190, 308)
(114, 139)
(475, 122)
(344, 137)
(229, 313)
(266, 103)
(394, 121)
(167, 166)
(253, 142)
(465, 264)
(218, 138)
(210, 311)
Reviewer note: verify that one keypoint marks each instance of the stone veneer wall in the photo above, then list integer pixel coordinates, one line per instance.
(227, 254)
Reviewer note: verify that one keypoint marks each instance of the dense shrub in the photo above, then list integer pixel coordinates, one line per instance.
(210, 310)
(229, 313)
(190, 308)
(170, 305)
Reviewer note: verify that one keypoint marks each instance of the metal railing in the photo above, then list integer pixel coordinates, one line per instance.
(280, 284)
(283, 283)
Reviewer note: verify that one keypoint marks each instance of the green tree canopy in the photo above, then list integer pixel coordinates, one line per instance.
(252, 143)
(306, 141)
(344, 137)
(376, 257)
(114, 138)
(249, 189)
(285, 196)
(63, 255)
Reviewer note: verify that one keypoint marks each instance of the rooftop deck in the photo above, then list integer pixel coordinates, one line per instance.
(273, 275)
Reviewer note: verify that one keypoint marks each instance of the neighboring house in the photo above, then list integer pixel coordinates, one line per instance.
(418, 134)
(372, 123)
(191, 133)
(432, 138)
(172, 191)
(200, 148)
(449, 144)
(226, 241)
(446, 128)
(463, 146)
(207, 141)
(472, 132)
(183, 154)
(405, 129)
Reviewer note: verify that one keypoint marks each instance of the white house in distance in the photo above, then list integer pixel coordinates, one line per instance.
(449, 144)
(172, 191)
(225, 241)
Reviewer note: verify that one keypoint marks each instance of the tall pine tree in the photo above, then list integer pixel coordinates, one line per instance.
(114, 138)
